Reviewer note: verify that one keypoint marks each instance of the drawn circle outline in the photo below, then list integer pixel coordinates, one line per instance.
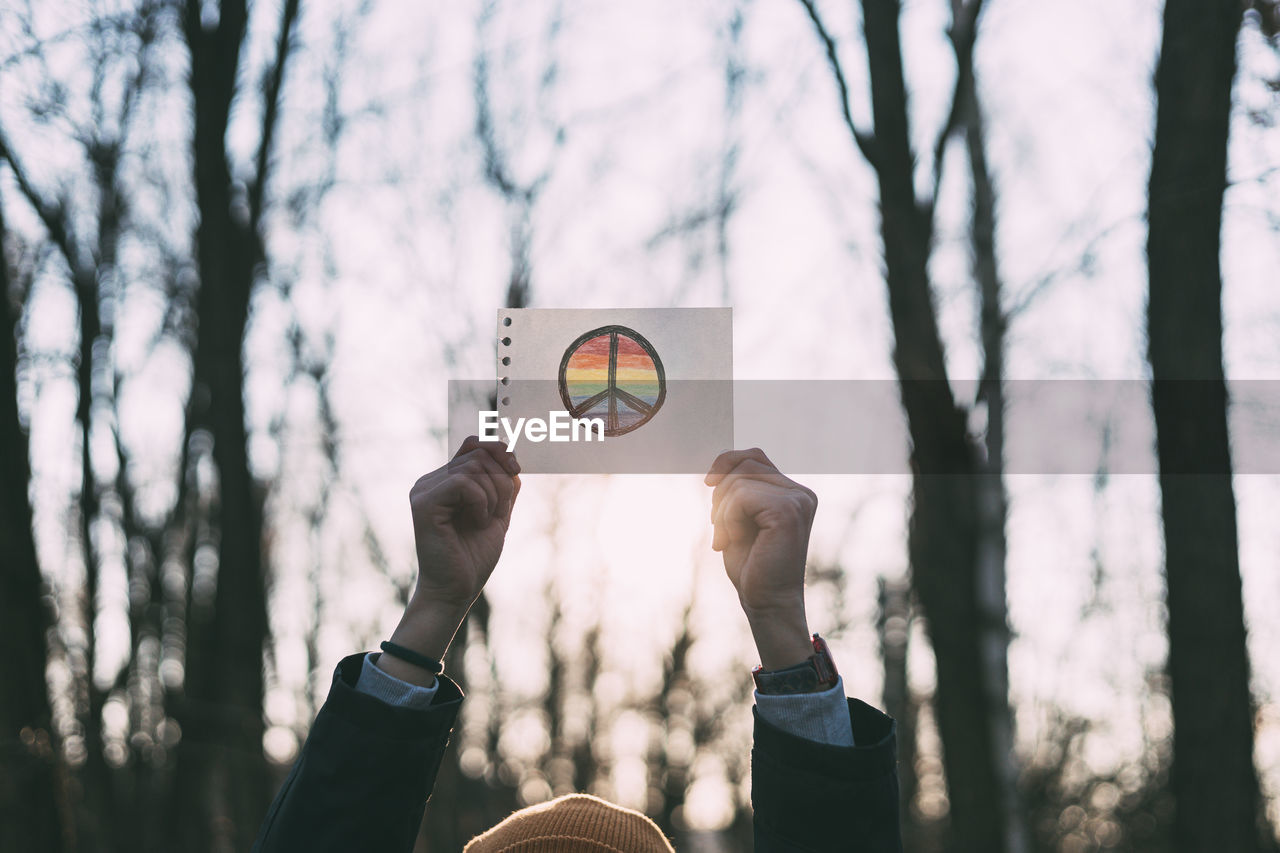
(611, 388)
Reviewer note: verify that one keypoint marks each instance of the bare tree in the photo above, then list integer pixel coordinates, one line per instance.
(1214, 781)
(993, 502)
(953, 542)
(31, 804)
(519, 193)
(222, 778)
(89, 255)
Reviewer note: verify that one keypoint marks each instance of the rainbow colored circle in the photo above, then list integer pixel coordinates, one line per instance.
(612, 373)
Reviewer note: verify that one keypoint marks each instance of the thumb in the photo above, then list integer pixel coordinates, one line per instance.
(511, 503)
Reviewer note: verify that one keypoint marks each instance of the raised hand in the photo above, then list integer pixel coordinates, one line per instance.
(761, 524)
(460, 517)
(461, 512)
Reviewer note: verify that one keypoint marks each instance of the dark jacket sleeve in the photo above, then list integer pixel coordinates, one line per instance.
(365, 772)
(814, 798)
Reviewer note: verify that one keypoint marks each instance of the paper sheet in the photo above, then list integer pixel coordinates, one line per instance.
(658, 379)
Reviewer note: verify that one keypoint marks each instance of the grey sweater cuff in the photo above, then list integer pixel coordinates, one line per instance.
(819, 717)
(390, 689)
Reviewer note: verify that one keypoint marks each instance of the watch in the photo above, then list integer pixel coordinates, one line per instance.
(812, 675)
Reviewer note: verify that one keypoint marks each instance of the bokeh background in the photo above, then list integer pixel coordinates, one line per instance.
(245, 246)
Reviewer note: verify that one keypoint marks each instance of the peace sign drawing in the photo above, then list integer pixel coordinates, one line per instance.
(614, 374)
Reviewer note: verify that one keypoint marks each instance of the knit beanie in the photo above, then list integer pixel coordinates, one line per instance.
(577, 823)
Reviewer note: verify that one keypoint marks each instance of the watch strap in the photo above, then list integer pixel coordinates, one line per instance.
(812, 675)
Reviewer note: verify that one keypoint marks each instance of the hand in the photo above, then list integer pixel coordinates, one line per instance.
(460, 517)
(761, 525)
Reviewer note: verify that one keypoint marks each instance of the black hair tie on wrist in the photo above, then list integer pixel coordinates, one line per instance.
(410, 656)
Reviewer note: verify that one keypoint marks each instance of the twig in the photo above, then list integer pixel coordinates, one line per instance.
(271, 110)
(866, 142)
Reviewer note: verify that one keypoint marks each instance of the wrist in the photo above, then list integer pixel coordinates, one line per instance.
(427, 627)
(782, 636)
(815, 674)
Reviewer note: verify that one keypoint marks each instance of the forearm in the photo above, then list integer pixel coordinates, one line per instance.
(365, 772)
(822, 765)
(781, 633)
(427, 627)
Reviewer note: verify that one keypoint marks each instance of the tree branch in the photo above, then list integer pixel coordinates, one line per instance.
(52, 216)
(495, 166)
(273, 87)
(146, 29)
(1083, 266)
(866, 142)
(1268, 17)
(963, 34)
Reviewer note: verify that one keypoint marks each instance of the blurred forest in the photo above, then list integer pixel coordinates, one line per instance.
(244, 246)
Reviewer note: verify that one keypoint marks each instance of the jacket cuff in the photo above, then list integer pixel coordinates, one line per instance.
(800, 788)
(349, 703)
(377, 682)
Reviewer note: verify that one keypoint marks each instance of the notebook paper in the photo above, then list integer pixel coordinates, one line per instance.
(650, 389)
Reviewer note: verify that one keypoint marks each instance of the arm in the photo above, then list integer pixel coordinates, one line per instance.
(819, 781)
(366, 770)
(364, 774)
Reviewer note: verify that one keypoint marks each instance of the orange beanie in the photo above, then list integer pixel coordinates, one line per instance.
(577, 823)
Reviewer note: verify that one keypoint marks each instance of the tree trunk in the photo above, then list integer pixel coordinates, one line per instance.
(95, 776)
(30, 781)
(1214, 782)
(893, 625)
(945, 526)
(223, 777)
(993, 502)
(90, 278)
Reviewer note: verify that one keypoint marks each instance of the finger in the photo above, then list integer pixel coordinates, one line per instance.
(483, 464)
(754, 469)
(733, 517)
(499, 477)
(728, 460)
(515, 493)
(497, 448)
(469, 444)
(725, 530)
(466, 496)
(745, 498)
(719, 536)
(728, 498)
(748, 466)
(472, 467)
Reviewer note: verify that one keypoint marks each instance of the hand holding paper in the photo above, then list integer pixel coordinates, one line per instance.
(762, 521)
(461, 512)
